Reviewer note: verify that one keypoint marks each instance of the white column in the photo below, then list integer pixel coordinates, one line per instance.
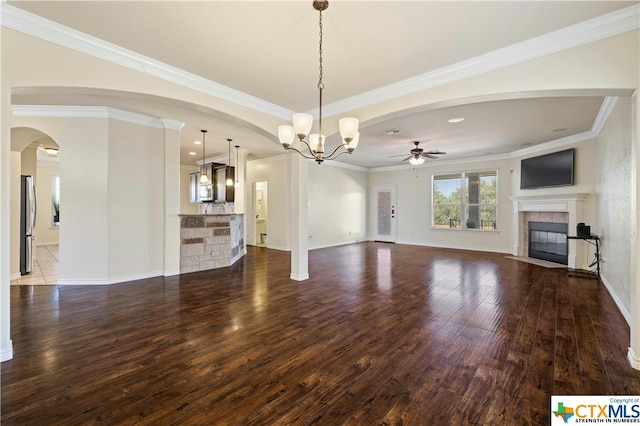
(6, 346)
(634, 347)
(240, 202)
(299, 220)
(171, 196)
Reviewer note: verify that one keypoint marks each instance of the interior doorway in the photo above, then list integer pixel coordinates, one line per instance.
(260, 213)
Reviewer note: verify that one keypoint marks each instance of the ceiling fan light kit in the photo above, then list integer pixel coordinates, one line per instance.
(302, 123)
(416, 161)
(417, 155)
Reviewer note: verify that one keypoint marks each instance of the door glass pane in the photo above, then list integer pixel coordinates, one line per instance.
(384, 213)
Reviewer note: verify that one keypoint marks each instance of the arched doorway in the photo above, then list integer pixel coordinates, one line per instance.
(34, 162)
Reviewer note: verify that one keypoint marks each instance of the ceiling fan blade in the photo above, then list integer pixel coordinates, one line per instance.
(436, 152)
(432, 157)
(398, 155)
(405, 159)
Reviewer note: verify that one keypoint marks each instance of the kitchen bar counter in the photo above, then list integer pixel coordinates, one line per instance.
(209, 241)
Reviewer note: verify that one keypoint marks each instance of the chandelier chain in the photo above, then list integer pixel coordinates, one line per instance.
(320, 83)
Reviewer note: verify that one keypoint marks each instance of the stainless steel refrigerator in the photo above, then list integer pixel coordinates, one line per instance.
(27, 222)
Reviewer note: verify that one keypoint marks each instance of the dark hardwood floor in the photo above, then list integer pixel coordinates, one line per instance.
(380, 334)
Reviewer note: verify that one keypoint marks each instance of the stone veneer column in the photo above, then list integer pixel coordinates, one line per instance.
(210, 241)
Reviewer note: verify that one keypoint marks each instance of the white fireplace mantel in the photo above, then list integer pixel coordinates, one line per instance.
(569, 203)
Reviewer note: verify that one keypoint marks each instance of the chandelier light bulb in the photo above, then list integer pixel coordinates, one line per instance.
(348, 128)
(302, 124)
(286, 134)
(350, 146)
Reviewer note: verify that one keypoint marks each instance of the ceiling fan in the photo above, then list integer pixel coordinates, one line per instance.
(418, 155)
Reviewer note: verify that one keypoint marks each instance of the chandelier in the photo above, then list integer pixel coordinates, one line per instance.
(302, 122)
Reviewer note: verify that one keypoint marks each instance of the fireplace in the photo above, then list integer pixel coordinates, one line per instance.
(548, 241)
(548, 206)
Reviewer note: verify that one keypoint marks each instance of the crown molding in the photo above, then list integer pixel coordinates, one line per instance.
(37, 26)
(65, 111)
(606, 108)
(342, 165)
(608, 25)
(170, 124)
(603, 114)
(623, 20)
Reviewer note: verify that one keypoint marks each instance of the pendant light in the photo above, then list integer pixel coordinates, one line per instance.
(236, 170)
(204, 179)
(229, 181)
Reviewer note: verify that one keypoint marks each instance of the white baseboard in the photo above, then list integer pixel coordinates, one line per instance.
(633, 359)
(297, 277)
(172, 272)
(116, 280)
(483, 249)
(15, 276)
(7, 353)
(614, 296)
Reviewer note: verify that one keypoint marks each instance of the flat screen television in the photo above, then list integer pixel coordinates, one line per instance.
(549, 170)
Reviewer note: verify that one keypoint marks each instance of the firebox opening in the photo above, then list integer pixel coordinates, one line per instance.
(548, 241)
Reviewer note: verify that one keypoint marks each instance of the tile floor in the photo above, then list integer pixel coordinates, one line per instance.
(45, 268)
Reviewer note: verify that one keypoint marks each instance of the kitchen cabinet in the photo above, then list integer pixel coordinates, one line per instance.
(216, 191)
(224, 193)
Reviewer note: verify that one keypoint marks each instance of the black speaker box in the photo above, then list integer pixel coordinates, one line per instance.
(583, 231)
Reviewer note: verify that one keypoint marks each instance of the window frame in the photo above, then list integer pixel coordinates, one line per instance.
(464, 205)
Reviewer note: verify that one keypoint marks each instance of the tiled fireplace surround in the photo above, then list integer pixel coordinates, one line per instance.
(551, 208)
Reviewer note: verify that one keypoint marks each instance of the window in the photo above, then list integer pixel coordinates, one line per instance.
(55, 200)
(465, 200)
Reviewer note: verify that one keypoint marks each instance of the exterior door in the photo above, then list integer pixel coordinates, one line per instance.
(385, 213)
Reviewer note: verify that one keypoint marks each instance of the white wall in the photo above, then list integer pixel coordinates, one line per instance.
(112, 175)
(413, 206)
(84, 226)
(135, 201)
(44, 232)
(337, 202)
(584, 179)
(616, 171)
(337, 205)
(83, 169)
(14, 205)
(185, 206)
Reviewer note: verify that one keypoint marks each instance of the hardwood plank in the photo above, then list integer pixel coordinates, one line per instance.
(380, 334)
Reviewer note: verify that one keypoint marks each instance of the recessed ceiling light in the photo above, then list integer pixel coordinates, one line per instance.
(192, 153)
(391, 131)
(197, 142)
(455, 119)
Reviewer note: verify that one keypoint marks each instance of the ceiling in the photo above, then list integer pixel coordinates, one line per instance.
(269, 50)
